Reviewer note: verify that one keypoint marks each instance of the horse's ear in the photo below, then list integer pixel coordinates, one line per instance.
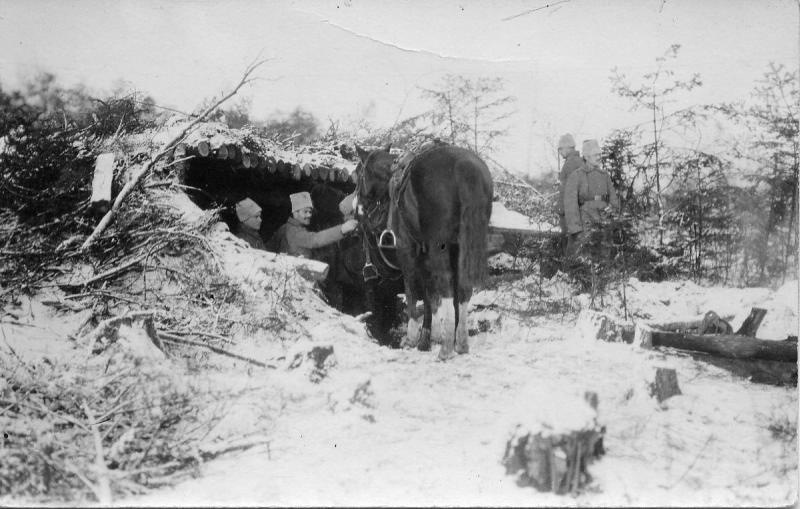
(388, 147)
(362, 154)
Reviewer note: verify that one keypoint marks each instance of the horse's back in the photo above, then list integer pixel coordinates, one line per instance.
(454, 188)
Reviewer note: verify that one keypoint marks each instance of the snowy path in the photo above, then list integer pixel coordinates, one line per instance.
(432, 433)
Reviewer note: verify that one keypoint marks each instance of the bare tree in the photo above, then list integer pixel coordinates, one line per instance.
(653, 93)
(470, 112)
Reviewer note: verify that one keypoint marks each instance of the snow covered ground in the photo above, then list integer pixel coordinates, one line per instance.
(397, 427)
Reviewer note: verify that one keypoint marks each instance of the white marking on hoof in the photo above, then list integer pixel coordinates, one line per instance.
(412, 333)
(462, 332)
(444, 322)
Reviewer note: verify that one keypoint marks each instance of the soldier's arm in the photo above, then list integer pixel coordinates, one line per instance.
(313, 240)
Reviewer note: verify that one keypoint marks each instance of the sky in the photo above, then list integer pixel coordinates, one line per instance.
(358, 59)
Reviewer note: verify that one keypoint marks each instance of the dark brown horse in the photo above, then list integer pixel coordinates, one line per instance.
(432, 217)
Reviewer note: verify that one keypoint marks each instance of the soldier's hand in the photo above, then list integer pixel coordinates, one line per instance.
(348, 226)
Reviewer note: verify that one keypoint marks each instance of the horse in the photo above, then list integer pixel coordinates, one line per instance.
(345, 287)
(431, 217)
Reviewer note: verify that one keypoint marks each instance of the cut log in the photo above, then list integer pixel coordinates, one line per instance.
(261, 161)
(556, 460)
(272, 164)
(220, 152)
(296, 172)
(665, 385)
(218, 147)
(234, 154)
(315, 172)
(247, 161)
(282, 169)
(102, 183)
(332, 175)
(752, 322)
(203, 148)
(728, 345)
(323, 173)
(308, 170)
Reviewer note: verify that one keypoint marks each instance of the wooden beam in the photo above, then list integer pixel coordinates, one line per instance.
(102, 182)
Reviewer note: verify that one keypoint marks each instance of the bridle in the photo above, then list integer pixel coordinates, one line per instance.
(372, 219)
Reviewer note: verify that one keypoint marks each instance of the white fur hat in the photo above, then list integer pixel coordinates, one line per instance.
(301, 201)
(566, 141)
(590, 148)
(246, 209)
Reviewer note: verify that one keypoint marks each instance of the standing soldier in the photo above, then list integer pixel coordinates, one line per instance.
(589, 201)
(572, 161)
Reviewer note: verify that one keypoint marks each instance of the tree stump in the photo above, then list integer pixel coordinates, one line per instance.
(594, 325)
(752, 322)
(665, 385)
(550, 458)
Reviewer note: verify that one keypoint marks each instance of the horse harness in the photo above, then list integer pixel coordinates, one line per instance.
(398, 184)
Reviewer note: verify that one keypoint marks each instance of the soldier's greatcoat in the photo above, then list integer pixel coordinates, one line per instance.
(587, 193)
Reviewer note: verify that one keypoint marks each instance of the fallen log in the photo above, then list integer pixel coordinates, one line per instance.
(723, 345)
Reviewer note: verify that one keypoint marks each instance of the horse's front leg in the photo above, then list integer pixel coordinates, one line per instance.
(424, 344)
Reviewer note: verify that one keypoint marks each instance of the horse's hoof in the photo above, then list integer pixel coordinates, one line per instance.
(424, 343)
(445, 355)
(462, 348)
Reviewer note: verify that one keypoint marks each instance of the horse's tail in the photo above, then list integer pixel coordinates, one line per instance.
(475, 197)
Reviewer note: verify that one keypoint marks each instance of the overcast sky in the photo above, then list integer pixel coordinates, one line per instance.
(348, 59)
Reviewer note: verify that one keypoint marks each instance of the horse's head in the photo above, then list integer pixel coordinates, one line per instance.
(374, 172)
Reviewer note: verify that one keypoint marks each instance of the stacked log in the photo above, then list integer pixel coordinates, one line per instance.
(552, 457)
(222, 147)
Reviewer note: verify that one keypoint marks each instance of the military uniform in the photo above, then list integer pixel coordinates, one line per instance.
(587, 194)
(572, 161)
(298, 241)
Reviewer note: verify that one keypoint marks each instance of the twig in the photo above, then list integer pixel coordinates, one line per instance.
(689, 468)
(175, 339)
(134, 181)
(109, 273)
(199, 333)
(103, 492)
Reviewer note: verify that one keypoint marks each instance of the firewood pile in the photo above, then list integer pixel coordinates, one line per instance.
(554, 456)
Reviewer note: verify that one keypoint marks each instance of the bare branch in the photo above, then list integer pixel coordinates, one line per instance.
(129, 187)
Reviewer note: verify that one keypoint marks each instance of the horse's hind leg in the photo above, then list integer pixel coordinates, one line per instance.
(462, 335)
